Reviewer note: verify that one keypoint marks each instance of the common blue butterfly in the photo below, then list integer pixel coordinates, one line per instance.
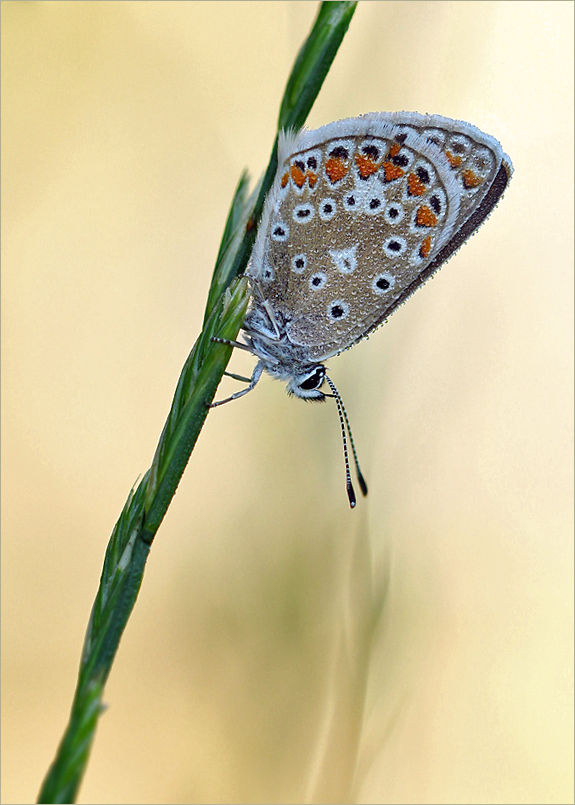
(361, 213)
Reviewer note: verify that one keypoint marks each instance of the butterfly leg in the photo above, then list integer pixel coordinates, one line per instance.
(241, 378)
(257, 373)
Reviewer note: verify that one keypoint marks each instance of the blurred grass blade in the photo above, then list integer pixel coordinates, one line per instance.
(313, 63)
(146, 506)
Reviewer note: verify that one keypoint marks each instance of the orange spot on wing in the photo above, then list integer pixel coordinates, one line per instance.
(392, 171)
(415, 185)
(470, 178)
(425, 216)
(366, 165)
(311, 177)
(454, 161)
(297, 175)
(285, 179)
(425, 247)
(394, 150)
(336, 169)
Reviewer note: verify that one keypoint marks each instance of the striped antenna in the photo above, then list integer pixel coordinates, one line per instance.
(345, 422)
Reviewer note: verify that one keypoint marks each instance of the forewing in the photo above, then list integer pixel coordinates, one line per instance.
(361, 213)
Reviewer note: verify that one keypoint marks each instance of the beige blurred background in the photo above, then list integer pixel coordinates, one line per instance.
(255, 666)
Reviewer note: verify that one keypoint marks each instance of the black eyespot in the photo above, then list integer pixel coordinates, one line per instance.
(299, 164)
(394, 246)
(298, 263)
(338, 309)
(382, 283)
(279, 231)
(339, 152)
(458, 148)
(350, 201)
(371, 151)
(423, 175)
(267, 273)
(303, 213)
(312, 163)
(393, 212)
(400, 138)
(327, 208)
(400, 160)
(435, 203)
(374, 203)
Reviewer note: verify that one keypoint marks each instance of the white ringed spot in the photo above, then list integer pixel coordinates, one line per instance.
(299, 263)
(317, 280)
(303, 213)
(345, 259)
(338, 310)
(394, 213)
(373, 204)
(395, 246)
(383, 283)
(327, 209)
(280, 232)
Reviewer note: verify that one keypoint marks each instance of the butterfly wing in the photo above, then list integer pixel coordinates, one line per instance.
(361, 213)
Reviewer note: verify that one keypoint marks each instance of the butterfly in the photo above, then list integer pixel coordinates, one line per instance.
(360, 214)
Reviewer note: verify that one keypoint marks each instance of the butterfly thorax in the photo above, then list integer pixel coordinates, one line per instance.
(268, 339)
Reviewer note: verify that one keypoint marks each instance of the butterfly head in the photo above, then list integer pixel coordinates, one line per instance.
(307, 382)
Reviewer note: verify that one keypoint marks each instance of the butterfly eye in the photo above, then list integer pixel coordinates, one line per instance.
(313, 380)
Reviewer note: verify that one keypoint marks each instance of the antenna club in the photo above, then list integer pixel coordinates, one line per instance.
(351, 496)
